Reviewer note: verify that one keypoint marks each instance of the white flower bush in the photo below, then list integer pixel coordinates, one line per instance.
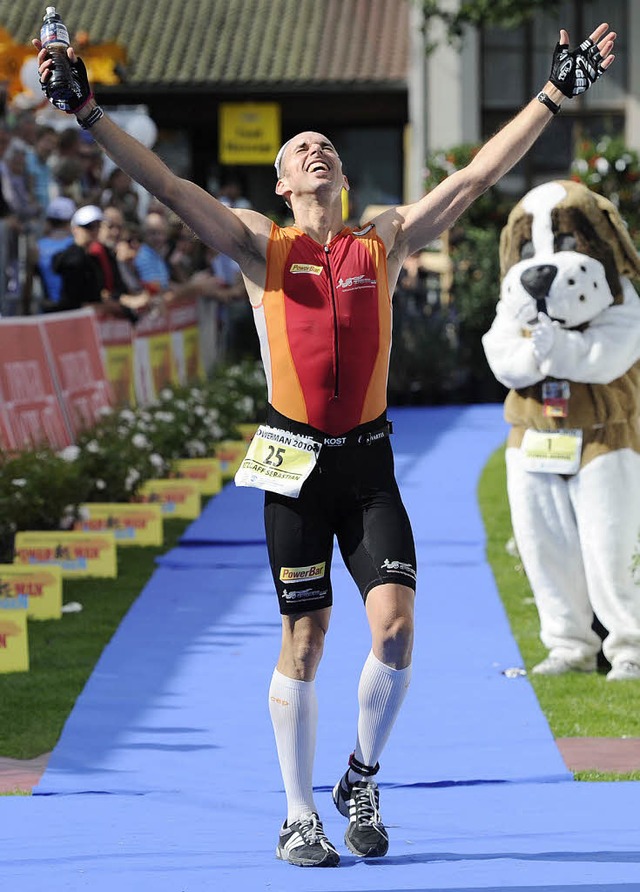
(42, 490)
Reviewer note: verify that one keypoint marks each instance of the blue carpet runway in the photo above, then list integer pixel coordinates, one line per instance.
(165, 777)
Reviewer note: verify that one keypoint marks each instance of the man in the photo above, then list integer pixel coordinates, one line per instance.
(57, 237)
(81, 279)
(321, 297)
(38, 165)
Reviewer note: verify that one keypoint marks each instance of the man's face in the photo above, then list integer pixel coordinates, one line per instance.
(310, 162)
(84, 235)
(111, 228)
(155, 232)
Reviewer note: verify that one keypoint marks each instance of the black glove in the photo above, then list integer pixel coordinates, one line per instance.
(70, 101)
(573, 72)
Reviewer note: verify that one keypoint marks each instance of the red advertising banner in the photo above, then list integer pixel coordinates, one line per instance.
(73, 350)
(32, 413)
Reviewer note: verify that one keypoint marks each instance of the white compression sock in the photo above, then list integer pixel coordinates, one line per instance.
(381, 693)
(293, 706)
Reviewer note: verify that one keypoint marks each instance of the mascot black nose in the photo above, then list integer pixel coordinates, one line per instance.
(537, 281)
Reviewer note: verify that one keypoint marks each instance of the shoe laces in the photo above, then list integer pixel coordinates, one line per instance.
(367, 801)
(311, 829)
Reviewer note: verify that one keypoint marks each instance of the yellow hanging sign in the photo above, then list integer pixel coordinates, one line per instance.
(249, 132)
(41, 586)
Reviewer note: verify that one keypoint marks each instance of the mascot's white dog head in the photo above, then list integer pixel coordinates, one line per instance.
(563, 252)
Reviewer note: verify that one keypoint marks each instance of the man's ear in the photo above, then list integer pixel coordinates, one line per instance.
(346, 183)
(281, 189)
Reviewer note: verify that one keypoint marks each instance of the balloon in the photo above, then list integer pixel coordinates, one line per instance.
(142, 128)
(29, 76)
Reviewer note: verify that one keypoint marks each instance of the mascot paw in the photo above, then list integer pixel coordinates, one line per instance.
(543, 335)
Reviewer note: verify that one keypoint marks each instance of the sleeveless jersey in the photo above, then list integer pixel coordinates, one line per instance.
(324, 325)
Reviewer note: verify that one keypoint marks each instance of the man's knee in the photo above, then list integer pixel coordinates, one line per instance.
(302, 644)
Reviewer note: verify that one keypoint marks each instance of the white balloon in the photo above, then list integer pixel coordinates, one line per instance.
(142, 128)
(29, 76)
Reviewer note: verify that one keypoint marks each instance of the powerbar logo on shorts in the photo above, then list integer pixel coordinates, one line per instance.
(296, 268)
(302, 574)
(399, 567)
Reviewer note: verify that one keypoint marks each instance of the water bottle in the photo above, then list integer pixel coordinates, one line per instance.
(54, 37)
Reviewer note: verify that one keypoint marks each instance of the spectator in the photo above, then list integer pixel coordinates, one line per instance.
(151, 261)
(15, 185)
(38, 166)
(67, 146)
(185, 254)
(120, 193)
(91, 159)
(80, 273)
(231, 192)
(103, 250)
(126, 251)
(24, 128)
(68, 175)
(56, 239)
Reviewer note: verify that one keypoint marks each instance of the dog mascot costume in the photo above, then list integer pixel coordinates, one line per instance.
(566, 340)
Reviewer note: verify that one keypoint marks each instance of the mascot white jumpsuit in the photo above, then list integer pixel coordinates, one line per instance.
(566, 340)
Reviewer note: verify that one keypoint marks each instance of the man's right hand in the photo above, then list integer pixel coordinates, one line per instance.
(82, 91)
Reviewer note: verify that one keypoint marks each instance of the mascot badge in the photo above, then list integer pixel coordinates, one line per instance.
(566, 341)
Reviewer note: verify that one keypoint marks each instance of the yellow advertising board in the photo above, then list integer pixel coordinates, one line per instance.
(78, 554)
(249, 132)
(206, 472)
(41, 586)
(118, 361)
(161, 360)
(247, 431)
(14, 642)
(230, 454)
(131, 524)
(177, 498)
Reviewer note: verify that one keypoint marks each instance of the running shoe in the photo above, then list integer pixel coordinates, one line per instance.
(366, 835)
(304, 843)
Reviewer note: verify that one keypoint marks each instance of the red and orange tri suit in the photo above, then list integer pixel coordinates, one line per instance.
(324, 325)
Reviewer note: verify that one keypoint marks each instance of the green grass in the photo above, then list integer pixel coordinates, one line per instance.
(34, 705)
(575, 705)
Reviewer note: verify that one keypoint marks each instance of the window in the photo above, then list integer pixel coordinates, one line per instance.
(516, 62)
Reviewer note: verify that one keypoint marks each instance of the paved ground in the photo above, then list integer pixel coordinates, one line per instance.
(614, 755)
(611, 754)
(21, 775)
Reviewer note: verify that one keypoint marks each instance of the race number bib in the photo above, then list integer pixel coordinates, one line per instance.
(279, 461)
(552, 452)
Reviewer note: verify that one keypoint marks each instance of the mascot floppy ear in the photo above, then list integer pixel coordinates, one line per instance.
(516, 231)
(617, 235)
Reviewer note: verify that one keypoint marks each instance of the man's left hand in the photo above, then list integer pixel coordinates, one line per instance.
(574, 71)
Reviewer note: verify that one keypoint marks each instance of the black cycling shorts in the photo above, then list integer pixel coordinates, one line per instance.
(351, 494)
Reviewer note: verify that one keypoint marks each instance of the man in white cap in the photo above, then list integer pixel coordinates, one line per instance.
(321, 294)
(78, 270)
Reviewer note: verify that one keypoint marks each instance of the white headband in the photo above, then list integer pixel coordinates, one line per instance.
(278, 162)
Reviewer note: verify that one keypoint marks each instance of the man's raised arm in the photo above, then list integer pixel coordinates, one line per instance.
(212, 222)
(409, 228)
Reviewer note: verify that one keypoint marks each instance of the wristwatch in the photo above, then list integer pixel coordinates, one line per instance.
(551, 105)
